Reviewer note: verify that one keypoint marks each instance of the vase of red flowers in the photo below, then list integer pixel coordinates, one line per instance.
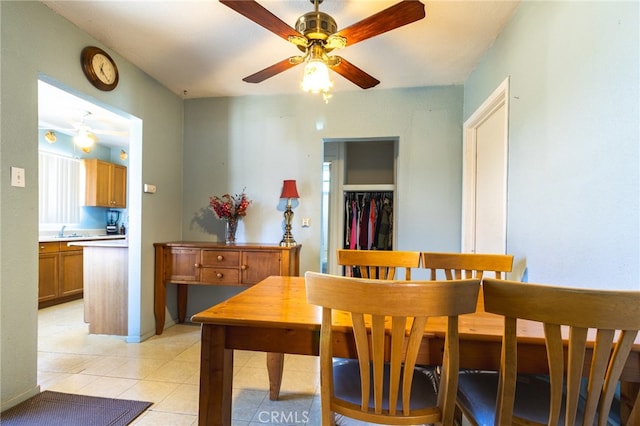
(230, 208)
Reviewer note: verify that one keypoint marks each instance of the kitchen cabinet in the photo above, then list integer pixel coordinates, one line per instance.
(106, 184)
(245, 264)
(60, 273)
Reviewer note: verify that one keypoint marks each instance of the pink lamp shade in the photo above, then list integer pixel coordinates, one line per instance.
(289, 189)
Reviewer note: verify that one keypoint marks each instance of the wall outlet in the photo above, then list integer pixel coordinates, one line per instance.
(149, 188)
(305, 222)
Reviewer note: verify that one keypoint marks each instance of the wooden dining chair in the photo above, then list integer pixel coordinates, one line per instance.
(506, 398)
(388, 320)
(375, 264)
(456, 266)
(379, 264)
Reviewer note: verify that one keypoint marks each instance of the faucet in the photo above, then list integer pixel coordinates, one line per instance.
(61, 232)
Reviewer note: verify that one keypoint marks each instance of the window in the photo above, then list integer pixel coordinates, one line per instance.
(59, 190)
(324, 230)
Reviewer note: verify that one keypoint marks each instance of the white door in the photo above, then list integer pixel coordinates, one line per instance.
(485, 176)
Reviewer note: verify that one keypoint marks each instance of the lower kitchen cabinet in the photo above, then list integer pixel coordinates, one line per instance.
(60, 273)
(48, 277)
(71, 272)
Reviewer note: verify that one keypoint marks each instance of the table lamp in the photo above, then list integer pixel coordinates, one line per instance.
(289, 191)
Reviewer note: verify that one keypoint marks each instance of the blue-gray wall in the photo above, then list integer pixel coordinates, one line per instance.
(573, 185)
(35, 42)
(257, 142)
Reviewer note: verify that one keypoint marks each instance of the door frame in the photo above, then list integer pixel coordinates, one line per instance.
(337, 187)
(499, 98)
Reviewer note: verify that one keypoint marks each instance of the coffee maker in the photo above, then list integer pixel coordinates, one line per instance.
(113, 216)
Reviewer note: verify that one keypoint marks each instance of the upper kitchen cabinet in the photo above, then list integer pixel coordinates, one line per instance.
(106, 184)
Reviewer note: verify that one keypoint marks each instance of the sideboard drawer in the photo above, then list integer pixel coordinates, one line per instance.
(220, 276)
(220, 258)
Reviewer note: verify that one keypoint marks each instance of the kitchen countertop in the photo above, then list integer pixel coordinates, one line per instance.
(82, 237)
(115, 243)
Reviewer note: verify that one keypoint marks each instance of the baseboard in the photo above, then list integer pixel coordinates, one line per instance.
(19, 398)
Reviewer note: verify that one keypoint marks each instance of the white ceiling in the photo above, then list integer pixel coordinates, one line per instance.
(204, 49)
(64, 112)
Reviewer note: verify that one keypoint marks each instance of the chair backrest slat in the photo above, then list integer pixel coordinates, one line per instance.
(380, 264)
(458, 266)
(388, 320)
(614, 317)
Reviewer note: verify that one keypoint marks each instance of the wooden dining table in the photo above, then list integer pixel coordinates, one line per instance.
(273, 316)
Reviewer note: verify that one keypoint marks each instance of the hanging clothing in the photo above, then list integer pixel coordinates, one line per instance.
(353, 239)
(368, 220)
(386, 226)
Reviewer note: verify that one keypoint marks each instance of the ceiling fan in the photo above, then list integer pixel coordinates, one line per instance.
(84, 135)
(316, 35)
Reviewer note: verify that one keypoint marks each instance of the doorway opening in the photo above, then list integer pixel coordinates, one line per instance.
(354, 167)
(64, 113)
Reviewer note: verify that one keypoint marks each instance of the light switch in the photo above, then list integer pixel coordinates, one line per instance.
(17, 177)
(149, 188)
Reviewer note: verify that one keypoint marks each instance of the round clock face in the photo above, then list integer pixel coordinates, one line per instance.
(99, 68)
(103, 68)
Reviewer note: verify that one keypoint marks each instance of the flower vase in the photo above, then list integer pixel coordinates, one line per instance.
(231, 226)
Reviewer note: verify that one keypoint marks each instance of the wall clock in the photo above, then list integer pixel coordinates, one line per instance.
(99, 68)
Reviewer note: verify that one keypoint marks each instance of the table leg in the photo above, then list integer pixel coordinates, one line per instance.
(182, 301)
(629, 403)
(275, 365)
(159, 291)
(160, 303)
(216, 378)
(634, 416)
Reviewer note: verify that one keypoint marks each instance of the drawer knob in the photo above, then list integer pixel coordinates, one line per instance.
(244, 267)
(219, 275)
(197, 265)
(41, 247)
(220, 258)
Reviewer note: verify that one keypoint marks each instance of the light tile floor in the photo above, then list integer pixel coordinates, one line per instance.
(165, 370)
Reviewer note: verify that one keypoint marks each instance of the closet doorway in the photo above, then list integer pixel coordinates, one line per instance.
(359, 196)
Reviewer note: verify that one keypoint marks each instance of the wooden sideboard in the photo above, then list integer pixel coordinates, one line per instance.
(243, 264)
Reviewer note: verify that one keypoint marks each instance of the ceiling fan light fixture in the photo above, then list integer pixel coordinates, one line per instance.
(316, 77)
(85, 139)
(50, 136)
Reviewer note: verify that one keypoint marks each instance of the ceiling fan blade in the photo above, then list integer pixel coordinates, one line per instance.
(269, 72)
(261, 16)
(396, 16)
(55, 127)
(354, 74)
(109, 132)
